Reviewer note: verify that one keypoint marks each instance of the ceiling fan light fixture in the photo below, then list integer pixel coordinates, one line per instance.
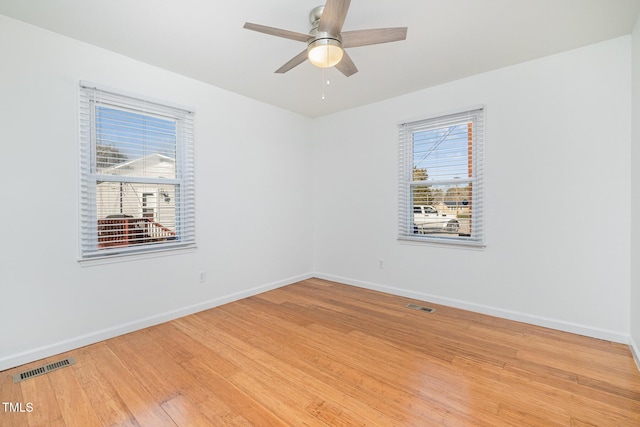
(325, 53)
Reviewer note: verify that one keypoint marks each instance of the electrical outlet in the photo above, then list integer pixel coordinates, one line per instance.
(203, 276)
(381, 264)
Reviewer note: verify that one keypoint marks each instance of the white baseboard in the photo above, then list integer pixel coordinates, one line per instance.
(635, 351)
(14, 360)
(574, 328)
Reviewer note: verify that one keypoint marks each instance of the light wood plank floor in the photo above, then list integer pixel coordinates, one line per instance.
(318, 353)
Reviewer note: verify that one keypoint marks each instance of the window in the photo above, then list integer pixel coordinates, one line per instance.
(441, 162)
(137, 175)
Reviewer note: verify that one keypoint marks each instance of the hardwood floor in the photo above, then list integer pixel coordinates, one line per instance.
(319, 353)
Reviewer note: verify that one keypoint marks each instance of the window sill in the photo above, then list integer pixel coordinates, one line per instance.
(115, 258)
(440, 242)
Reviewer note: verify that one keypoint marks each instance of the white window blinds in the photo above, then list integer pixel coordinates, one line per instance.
(441, 179)
(137, 174)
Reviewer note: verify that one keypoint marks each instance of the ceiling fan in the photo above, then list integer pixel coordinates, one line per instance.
(326, 41)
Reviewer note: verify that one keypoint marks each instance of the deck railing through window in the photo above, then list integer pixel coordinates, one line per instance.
(131, 231)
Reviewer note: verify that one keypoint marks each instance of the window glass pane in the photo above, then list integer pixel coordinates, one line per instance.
(447, 209)
(134, 144)
(442, 153)
(133, 213)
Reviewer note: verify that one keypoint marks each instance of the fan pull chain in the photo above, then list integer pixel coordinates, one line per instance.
(325, 81)
(324, 77)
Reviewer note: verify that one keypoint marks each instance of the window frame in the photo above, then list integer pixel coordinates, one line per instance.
(92, 96)
(406, 130)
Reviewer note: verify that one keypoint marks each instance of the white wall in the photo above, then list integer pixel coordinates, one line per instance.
(252, 201)
(557, 195)
(635, 198)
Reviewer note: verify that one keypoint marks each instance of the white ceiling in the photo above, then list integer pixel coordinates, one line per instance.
(446, 40)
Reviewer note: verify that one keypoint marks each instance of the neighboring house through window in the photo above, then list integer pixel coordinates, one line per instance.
(137, 178)
(441, 179)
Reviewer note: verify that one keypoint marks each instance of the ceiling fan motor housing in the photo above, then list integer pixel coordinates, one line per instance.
(321, 38)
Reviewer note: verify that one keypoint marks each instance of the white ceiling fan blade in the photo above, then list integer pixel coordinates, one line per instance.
(333, 16)
(293, 62)
(278, 32)
(346, 65)
(374, 36)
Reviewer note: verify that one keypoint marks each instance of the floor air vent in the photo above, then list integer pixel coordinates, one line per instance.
(43, 369)
(421, 308)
